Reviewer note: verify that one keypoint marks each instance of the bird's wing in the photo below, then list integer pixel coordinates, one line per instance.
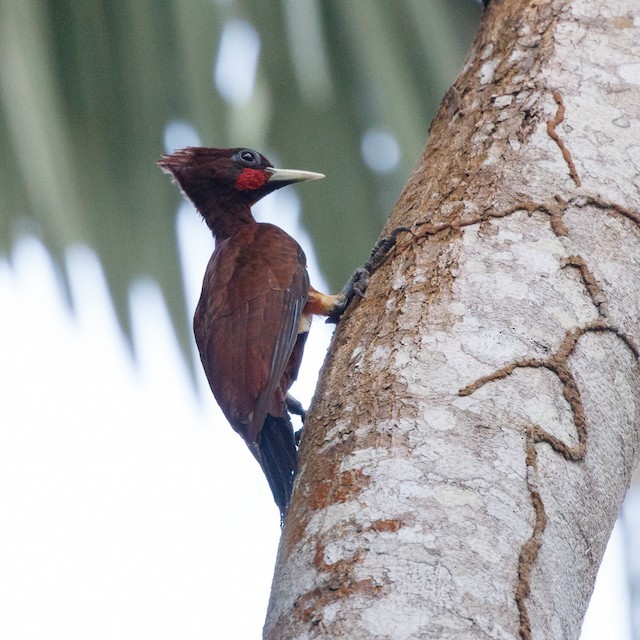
(246, 323)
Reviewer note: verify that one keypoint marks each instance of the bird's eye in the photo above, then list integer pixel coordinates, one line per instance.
(249, 157)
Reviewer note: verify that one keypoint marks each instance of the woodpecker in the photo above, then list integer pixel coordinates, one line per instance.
(255, 310)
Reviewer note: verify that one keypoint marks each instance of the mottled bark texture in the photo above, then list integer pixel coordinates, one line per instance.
(477, 421)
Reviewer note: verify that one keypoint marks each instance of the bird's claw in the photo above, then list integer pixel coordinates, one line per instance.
(356, 286)
(295, 406)
(359, 280)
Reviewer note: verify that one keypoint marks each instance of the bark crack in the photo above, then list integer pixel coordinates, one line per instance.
(591, 284)
(530, 549)
(553, 134)
(558, 363)
(555, 209)
(600, 202)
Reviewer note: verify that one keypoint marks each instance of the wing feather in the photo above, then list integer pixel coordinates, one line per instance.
(246, 323)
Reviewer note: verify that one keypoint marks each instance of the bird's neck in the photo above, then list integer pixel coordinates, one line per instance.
(225, 220)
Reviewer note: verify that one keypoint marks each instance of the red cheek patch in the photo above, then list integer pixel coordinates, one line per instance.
(251, 179)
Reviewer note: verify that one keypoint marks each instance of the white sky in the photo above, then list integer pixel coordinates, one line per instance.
(128, 507)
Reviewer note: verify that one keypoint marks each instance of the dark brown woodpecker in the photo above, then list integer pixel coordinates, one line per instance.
(255, 310)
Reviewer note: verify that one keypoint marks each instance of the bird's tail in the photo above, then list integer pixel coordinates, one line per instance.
(279, 458)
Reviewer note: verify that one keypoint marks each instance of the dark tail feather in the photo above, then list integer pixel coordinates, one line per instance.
(279, 458)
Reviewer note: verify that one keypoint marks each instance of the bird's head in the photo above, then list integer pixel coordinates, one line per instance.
(223, 182)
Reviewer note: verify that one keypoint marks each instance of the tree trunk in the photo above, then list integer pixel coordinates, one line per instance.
(477, 421)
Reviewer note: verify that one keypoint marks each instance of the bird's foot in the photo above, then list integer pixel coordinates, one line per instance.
(359, 280)
(295, 406)
(356, 286)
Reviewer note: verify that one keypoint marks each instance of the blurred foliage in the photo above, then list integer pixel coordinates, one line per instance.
(87, 89)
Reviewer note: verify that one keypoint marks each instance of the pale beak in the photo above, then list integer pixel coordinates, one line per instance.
(292, 175)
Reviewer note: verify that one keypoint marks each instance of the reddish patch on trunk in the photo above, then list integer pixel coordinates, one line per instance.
(386, 525)
(350, 484)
